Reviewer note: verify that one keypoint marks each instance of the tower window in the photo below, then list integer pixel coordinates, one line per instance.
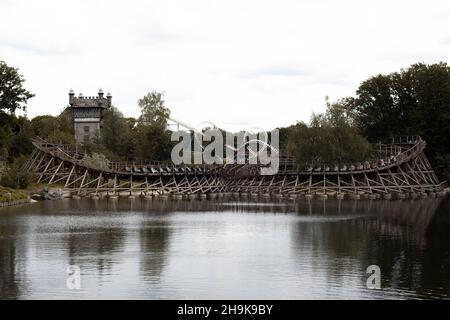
(86, 128)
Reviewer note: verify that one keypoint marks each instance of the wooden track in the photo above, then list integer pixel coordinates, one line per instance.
(400, 170)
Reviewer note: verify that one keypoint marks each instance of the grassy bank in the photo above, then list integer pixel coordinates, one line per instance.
(11, 195)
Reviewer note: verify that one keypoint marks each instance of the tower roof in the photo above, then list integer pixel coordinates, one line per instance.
(90, 102)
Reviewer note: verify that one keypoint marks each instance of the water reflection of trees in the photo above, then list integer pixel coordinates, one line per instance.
(96, 234)
(9, 279)
(156, 230)
(151, 228)
(408, 239)
(13, 258)
(436, 256)
(154, 241)
(398, 241)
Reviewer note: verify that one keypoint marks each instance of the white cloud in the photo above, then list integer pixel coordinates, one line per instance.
(265, 63)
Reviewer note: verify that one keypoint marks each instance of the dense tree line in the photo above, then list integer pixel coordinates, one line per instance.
(330, 137)
(136, 139)
(412, 101)
(120, 139)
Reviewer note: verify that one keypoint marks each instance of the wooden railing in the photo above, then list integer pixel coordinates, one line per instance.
(402, 149)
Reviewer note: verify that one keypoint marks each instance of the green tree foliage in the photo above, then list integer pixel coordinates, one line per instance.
(116, 133)
(20, 142)
(96, 160)
(412, 101)
(6, 135)
(329, 138)
(153, 111)
(14, 176)
(152, 142)
(15, 134)
(13, 95)
(284, 133)
(95, 147)
(53, 129)
(151, 137)
(131, 139)
(13, 130)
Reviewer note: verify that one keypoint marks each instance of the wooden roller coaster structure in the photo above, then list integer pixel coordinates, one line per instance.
(400, 170)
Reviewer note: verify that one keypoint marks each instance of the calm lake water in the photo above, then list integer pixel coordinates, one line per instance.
(140, 249)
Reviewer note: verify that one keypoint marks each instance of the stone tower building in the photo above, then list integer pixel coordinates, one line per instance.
(86, 114)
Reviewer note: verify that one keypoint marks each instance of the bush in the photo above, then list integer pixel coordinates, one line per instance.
(8, 194)
(330, 137)
(96, 160)
(14, 176)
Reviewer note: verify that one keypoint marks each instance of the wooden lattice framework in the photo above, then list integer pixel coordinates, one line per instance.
(402, 169)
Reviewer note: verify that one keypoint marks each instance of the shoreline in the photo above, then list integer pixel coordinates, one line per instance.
(12, 197)
(14, 203)
(17, 202)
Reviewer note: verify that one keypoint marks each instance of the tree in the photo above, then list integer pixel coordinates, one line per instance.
(116, 133)
(329, 138)
(414, 101)
(53, 129)
(6, 134)
(21, 140)
(151, 137)
(152, 142)
(153, 111)
(13, 95)
(15, 177)
(96, 160)
(13, 131)
(15, 136)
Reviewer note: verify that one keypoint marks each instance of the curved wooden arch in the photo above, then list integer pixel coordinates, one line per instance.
(410, 174)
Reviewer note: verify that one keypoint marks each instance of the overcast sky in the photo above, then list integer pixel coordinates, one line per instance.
(235, 63)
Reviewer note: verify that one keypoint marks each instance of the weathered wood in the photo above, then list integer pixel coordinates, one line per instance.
(409, 173)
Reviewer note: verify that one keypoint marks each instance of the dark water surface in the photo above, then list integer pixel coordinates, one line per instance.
(218, 250)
